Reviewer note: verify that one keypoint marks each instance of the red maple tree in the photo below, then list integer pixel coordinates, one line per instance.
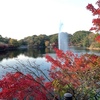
(20, 86)
(95, 11)
(75, 74)
(95, 21)
(69, 73)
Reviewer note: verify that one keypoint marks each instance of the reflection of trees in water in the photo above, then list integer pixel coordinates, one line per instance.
(3, 55)
(47, 50)
(15, 53)
(35, 53)
(28, 52)
(11, 54)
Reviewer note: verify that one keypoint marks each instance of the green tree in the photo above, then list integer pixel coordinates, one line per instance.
(78, 37)
(86, 42)
(53, 38)
(13, 42)
(47, 43)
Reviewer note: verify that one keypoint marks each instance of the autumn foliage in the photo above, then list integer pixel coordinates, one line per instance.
(75, 74)
(20, 86)
(69, 72)
(95, 11)
(95, 21)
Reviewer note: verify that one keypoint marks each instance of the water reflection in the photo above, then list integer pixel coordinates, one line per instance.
(81, 50)
(11, 58)
(33, 55)
(27, 52)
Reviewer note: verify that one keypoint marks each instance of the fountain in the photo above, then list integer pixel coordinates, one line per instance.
(62, 39)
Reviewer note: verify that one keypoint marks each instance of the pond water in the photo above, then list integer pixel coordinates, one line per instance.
(20, 59)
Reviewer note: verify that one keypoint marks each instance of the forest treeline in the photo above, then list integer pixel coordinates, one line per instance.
(79, 38)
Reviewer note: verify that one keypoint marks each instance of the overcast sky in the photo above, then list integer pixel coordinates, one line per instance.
(21, 18)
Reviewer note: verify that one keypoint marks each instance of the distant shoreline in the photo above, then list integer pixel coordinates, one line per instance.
(88, 48)
(93, 48)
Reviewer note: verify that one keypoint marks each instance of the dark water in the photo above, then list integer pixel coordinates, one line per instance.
(21, 58)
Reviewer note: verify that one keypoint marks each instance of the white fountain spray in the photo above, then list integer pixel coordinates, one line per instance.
(62, 39)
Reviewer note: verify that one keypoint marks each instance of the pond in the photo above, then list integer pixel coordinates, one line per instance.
(20, 58)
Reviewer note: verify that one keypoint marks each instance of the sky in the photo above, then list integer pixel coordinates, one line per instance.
(22, 18)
